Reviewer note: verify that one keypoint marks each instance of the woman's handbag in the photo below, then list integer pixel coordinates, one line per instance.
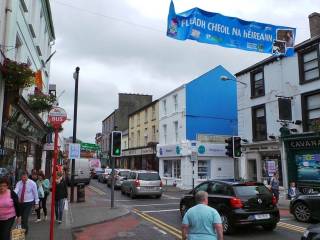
(18, 233)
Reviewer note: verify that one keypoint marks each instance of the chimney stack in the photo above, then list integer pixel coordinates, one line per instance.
(314, 23)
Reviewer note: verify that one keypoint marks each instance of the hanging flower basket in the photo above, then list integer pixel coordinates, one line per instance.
(315, 125)
(17, 75)
(40, 102)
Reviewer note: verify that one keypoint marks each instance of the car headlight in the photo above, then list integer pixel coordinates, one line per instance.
(306, 233)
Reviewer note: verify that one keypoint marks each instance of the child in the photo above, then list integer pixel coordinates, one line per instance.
(292, 191)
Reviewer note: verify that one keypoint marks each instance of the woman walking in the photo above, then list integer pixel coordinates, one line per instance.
(9, 209)
(61, 195)
(275, 185)
(43, 185)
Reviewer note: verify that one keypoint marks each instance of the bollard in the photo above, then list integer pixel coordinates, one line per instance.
(81, 196)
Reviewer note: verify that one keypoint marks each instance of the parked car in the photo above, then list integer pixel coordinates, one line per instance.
(104, 176)
(312, 233)
(238, 203)
(306, 207)
(120, 175)
(146, 183)
(95, 172)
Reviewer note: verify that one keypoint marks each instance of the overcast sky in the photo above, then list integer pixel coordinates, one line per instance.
(121, 46)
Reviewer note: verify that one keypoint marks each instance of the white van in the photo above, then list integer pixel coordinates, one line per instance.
(82, 171)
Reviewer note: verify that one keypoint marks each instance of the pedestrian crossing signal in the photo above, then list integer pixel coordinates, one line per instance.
(116, 143)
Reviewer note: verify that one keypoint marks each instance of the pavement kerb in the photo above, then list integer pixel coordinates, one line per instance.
(78, 229)
(127, 212)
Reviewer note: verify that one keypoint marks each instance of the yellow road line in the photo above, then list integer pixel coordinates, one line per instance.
(177, 232)
(161, 226)
(97, 190)
(291, 227)
(159, 221)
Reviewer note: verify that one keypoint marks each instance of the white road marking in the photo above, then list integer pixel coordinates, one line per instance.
(169, 197)
(164, 210)
(159, 230)
(97, 190)
(156, 204)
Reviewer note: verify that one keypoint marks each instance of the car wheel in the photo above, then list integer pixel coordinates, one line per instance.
(227, 227)
(302, 212)
(158, 196)
(122, 192)
(269, 227)
(132, 195)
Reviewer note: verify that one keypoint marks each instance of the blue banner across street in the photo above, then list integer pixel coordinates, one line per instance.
(214, 28)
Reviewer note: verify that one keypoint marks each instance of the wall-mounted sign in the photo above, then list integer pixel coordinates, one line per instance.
(74, 151)
(304, 144)
(57, 116)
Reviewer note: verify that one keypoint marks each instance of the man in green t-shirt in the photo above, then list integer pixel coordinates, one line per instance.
(202, 222)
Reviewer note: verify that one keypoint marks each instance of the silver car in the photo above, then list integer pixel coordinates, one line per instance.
(119, 176)
(146, 183)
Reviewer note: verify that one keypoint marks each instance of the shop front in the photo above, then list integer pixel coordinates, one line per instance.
(140, 159)
(22, 138)
(303, 160)
(261, 160)
(189, 164)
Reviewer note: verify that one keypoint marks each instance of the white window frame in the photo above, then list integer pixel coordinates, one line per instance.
(164, 126)
(164, 103)
(175, 101)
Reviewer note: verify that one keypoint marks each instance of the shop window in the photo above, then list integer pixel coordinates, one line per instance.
(177, 169)
(167, 168)
(309, 64)
(311, 111)
(257, 83)
(203, 169)
(259, 124)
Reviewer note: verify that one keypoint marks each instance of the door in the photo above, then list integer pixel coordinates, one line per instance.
(252, 169)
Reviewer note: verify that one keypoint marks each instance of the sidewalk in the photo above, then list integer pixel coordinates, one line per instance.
(79, 216)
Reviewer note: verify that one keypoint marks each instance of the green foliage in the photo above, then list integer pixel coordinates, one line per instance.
(40, 102)
(17, 75)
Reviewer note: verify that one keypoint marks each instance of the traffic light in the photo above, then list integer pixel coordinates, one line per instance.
(237, 147)
(116, 137)
(229, 146)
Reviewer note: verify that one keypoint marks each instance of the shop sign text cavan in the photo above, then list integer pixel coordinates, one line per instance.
(304, 144)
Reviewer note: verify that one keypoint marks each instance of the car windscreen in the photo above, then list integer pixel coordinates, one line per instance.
(149, 176)
(124, 173)
(251, 190)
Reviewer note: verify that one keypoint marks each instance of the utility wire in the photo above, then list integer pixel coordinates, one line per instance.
(110, 17)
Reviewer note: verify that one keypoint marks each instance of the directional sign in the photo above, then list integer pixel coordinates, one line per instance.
(57, 116)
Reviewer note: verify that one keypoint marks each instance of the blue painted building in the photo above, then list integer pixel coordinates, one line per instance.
(205, 108)
(211, 104)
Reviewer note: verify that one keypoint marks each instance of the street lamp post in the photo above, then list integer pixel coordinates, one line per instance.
(74, 136)
(225, 78)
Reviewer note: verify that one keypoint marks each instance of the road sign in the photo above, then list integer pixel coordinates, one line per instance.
(194, 156)
(57, 116)
(74, 151)
(89, 147)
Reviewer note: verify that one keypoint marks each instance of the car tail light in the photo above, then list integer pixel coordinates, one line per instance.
(274, 201)
(160, 183)
(236, 203)
(137, 183)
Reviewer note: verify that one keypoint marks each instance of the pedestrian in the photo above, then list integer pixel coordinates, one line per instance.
(274, 183)
(202, 222)
(27, 192)
(292, 191)
(9, 209)
(61, 195)
(43, 185)
(34, 175)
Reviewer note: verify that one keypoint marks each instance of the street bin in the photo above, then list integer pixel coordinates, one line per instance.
(81, 196)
